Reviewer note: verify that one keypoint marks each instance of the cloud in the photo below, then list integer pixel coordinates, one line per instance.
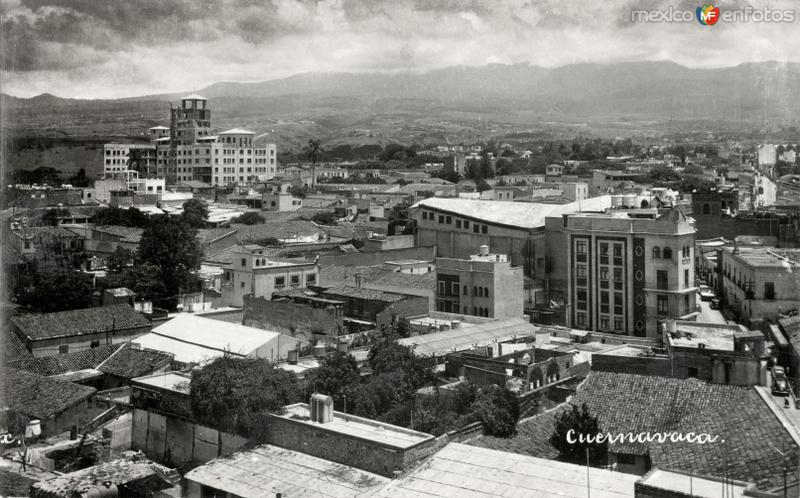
(113, 48)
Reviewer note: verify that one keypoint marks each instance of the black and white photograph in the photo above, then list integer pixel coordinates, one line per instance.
(400, 248)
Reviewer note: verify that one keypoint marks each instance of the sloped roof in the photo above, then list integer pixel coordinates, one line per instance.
(279, 230)
(469, 337)
(38, 396)
(342, 275)
(130, 362)
(745, 425)
(461, 470)
(361, 293)
(193, 96)
(143, 477)
(194, 339)
(126, 234)
(266, 470)
(63, 363)
(526, 215)
(38, 326)
(791, 327)
(236, 131)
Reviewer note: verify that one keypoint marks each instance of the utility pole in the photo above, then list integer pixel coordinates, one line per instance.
(588, 487)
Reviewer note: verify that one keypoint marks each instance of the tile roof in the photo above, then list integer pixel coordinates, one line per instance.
(266, 470)
(38, 326)
(343, 275)
(633, 403)
(517, 214)
(141, 477)
(63, 363)
(38, 396)
(368, 294)
(791, 327)
(208, 235)
(130, 362)
(126, 234)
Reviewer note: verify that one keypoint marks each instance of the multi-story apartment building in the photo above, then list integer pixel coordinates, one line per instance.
(253, 273)
(190, 150)
(484, 285)
(759, 283)
(621, 271)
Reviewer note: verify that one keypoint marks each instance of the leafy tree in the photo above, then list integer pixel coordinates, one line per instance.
(119, 259)
(481, 185)
(267, 242)
(52, 216)
(314, 153)
(130, 217)
(195, 213)
(249, 218)
(171, 245)
(693, 170)
(229, 393)
(80, 179)
(579, 420)
(298, 191)
(444, 411)
(447, 174)
(52, 290)
(143, 279)
(498, 409)
(400, 217)
(336, 376)
(325, 218)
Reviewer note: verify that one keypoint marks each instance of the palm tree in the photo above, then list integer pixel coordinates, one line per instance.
(313, 152)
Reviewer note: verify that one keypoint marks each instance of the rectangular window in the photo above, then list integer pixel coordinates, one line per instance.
(441, 218)
(686, 278)
(662, 305)
(603, 273)
(769, 290)
(484, 229)
(662, 279)
(580, 318)
(580, 246)
(466, 225)
(458, 223)
(295, 279)
(244, 262)
(311, 278)
(476, 228)
(94, 344)
(63, 349)
(603, 323)
(280, 281)
(448, 220)
(454, 288)
(618, 323)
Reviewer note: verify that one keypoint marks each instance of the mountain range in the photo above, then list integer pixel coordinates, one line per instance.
(753, 93)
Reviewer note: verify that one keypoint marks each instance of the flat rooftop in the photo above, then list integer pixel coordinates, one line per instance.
(712, 335)
(361, 428)
(267, 470)
(768, 256)
(172, 381)
(625, 350)
(692, 485)
(460, 470)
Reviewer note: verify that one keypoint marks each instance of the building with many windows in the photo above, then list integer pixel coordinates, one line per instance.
(484, 285)
(189, 149)
(621, 271)
(759, 283)
(253, 273)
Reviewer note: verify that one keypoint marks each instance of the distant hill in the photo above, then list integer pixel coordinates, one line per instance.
(460, 102)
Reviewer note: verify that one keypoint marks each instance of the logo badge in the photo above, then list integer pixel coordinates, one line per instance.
(707, 15)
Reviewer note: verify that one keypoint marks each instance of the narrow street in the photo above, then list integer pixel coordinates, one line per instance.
(707, 315)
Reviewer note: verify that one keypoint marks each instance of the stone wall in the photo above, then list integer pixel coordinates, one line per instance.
(407, 308)
(293, 319)
(642, 365)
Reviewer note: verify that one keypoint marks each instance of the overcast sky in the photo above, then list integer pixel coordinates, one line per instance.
(117, 48)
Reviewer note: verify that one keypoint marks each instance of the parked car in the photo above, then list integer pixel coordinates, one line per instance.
(780, 385)
(706, 294)
(714, 304)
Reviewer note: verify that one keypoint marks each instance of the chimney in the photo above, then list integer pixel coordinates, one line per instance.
(321, 408)
(484, 250)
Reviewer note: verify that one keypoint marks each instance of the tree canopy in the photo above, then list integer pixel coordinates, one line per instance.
(249, 218)
(171, 245)
(230, 393)
(51, 289)
(195, 213)
(579, 420)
